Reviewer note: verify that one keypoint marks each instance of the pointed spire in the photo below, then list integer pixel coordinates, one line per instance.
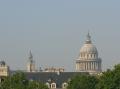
(88, 40)
(30, 55)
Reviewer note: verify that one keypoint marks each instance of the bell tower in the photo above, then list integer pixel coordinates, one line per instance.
(30, 63)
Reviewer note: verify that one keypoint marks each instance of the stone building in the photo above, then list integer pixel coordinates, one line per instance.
(4, 70)
(31, 64)
(53, 69)
(88, 60)
(87, 63)
(53, 80)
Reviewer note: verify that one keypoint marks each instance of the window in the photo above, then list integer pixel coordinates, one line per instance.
(53, 85)
(64, 85)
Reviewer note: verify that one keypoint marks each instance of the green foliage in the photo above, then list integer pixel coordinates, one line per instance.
(19, 81)
(110, 79)
(36, 85)
(83, 82)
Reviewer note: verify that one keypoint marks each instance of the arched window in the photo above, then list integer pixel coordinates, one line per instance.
(53, 85)
(48, 85)
(64, 85)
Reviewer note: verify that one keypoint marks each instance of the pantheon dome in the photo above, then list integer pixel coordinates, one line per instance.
(88, 48)
(88, 60)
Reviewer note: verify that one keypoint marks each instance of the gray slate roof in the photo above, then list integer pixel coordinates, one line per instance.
(58, 78)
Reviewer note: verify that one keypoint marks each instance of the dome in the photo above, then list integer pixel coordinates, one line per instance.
(88, 48)
(88, 60)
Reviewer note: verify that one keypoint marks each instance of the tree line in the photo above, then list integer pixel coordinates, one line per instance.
(106, 80)
(19, 81)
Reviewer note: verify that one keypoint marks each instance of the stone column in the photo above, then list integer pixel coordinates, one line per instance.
(94, 65)
(77, 66)
(84, 65)
(87, 65)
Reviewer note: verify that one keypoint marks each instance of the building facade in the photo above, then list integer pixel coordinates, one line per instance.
(53, 80)
(4, 70)
(88, 60)
(53, 69)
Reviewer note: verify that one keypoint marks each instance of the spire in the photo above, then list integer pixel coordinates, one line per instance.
(30, 55)
(31, 63)
(88, 38)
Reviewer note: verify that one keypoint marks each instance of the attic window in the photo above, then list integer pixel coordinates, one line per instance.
(64, 85)
(53, 85)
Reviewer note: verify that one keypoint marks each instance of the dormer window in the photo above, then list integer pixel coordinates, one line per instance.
(64, 85)
(53, 85)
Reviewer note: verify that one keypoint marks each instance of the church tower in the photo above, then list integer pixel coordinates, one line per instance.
(88, 60)
(31, 63)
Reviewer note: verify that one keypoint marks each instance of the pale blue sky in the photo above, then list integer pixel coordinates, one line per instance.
(55, 30)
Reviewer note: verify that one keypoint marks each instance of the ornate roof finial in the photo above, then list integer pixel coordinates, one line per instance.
(88, 40)
(30, 55)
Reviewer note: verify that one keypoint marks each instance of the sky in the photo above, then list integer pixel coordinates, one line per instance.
(55, 30)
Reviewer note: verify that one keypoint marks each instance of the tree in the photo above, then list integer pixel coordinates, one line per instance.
(36, 85)
(19, 81)
(83, 82)
(110, 79)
